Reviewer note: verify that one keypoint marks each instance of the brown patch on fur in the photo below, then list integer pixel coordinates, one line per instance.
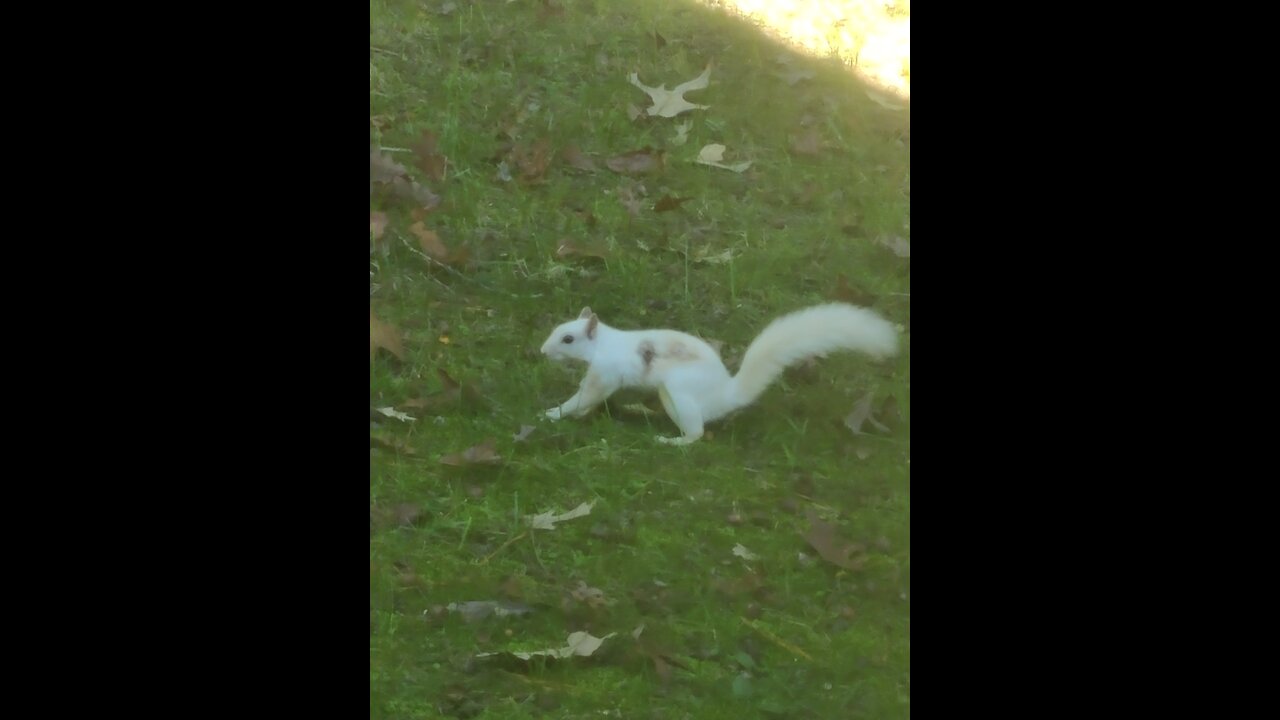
(647, 353)
(679, 352)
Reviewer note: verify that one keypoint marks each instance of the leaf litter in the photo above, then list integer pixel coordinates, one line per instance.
(861, 415)
(477, 610)
(670, 103)
(579, 644)
(383, 336)
(547, 520)
(482, 454)
(822, 537)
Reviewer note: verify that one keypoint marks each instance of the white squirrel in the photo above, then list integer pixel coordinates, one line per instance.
(691, 379)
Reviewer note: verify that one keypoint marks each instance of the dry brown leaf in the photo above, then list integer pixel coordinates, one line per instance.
(452, 394)
(569, 249)
(808, 142)
(431, 244)
(659, 41)
(533, 161)
(382, 169)
(669, 202)
(889, 413)
(431, 161)
(574, 157)
(377, 224)
(637, 162)
(482, 454)
(410, 190)
(593, 597)
(834, 549)
(379, 442)
(862, 414)
(383, 335)
(851, 294)
(633, 112)
(627, 196)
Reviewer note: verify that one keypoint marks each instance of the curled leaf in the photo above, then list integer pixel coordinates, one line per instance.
(548, 520)
(383, 335)
(482, 454)
(637, 162)
(834, 549)
(580, 643)
(861, 414)
(713, 154)
(577, 160)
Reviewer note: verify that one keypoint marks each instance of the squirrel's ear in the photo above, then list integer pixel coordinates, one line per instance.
(591, 326)
(586, 313)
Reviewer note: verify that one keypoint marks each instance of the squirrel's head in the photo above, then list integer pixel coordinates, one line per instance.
(574, 340)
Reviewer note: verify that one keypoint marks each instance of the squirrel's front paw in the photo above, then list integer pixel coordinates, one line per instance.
(553, 413)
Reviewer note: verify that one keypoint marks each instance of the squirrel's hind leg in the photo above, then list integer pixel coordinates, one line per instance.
(687, 415)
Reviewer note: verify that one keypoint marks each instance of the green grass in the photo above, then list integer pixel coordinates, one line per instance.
(658, 542)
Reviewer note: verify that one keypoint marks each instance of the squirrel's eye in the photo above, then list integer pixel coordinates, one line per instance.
(566, 339)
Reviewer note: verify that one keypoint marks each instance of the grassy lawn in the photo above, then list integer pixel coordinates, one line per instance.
(520, 240)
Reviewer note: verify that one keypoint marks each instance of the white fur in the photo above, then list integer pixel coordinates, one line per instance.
(691, 380)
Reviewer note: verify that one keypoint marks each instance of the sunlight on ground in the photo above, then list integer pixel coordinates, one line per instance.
(871, 36)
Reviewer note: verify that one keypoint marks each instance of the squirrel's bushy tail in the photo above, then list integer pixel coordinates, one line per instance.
(813, 331)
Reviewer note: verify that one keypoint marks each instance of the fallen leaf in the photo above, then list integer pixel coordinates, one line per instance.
(669, 202)
(549, 10)
(533, 161)
(740, 551)
(862, 414)
(629, 199)
(835, 550)
(884, 101)
(593, 597)
(430, 242)
(574, 157)
(670, 103)
(704, 255)
(431, 162)
(659, 41)
(451, 394)
(477, 610)
(637, 162)
(548, 520)
(377, 224)
(889, 413)
(407, 514)
(525, 431)
(900, 247)
(713, 154)
(682, 134)
(581, 644)
(808, 142)
(568, 249)
(482, 454)
(410, 190)
(852, 295)
(377, 442)
(383, 335)
(633, 112)
(382, 169)
(393, 413)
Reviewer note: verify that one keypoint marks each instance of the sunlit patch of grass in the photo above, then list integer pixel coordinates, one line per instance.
(871, 36)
